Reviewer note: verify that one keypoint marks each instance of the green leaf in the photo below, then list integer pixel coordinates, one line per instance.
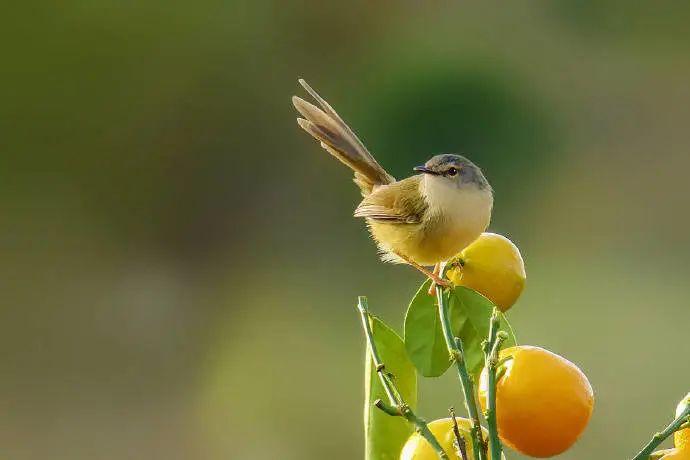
(469, 314)
(423, 335)
(477, 309)
(385, 435)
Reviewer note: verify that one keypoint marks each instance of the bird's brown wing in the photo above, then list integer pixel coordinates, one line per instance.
(399, 202)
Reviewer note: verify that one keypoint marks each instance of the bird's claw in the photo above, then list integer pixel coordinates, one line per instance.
(438, 281)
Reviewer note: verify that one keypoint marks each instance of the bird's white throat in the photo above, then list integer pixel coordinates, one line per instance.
(467, 205)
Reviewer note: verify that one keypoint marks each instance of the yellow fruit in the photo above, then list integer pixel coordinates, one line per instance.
(681, 438)
(417, 448)
(543, 401)
(491, 265)
(675, 454)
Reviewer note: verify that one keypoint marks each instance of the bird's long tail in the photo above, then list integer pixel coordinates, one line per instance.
(337, 138)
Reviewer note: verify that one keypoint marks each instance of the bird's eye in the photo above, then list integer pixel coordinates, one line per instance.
(452, 171)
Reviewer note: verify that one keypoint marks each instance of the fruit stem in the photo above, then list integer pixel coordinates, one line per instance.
(658, 438)
(493, 346)
(397, 407)
(456, 352)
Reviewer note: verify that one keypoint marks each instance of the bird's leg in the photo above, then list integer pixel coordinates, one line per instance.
(435, 278)
(432, 287)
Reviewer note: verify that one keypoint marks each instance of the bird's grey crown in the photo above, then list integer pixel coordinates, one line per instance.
(469, 172)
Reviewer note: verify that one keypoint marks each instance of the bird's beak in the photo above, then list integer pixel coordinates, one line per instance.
(425, 170)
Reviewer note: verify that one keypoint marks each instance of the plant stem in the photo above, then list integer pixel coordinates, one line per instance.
(493, 346)
(396, 406)
(456, 352)
(462, 446)
(658, 438)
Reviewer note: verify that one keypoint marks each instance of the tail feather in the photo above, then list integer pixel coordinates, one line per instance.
(337, 138)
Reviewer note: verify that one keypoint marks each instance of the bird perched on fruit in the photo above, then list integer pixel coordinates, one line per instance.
(422, 220)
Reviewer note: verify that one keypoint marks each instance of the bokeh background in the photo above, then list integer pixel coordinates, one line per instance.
(179, 262)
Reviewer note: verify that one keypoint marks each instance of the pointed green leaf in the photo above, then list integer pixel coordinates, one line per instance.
(424, 340)
(469, 314)
(477, 309)
(385, 435)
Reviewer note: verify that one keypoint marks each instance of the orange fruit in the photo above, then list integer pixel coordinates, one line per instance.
(491, 265)
(543, 401)
(681, 438)
(417, 448)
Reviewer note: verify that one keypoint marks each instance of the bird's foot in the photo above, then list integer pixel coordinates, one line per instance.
(438, 281)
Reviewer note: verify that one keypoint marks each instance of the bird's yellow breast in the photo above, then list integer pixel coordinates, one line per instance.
(452, 221)
(425, 244)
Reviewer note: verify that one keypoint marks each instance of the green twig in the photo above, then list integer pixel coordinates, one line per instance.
(491, 349)
(456, 352)
(660, 437)
(396, 406)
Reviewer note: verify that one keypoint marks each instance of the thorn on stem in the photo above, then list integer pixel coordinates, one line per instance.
(390, 410)
(500, 372)
(455, 356)
(659, 454)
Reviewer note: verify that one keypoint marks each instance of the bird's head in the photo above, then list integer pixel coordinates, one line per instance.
(456, 170)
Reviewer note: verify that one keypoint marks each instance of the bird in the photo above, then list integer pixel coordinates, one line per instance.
(422, 220)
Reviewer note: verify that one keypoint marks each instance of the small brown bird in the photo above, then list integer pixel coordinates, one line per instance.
(422, 220)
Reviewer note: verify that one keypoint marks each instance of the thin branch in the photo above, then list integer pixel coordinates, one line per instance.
(660, 437)
(459, 439)
(456, 352)
(396, 407)
(493, 346)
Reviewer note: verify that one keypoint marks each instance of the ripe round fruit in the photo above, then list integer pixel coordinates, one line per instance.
(491, 265)
(543, 401)
(681, 438)
(417, 448)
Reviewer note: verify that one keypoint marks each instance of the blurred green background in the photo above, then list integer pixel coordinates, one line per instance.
(179, 261)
